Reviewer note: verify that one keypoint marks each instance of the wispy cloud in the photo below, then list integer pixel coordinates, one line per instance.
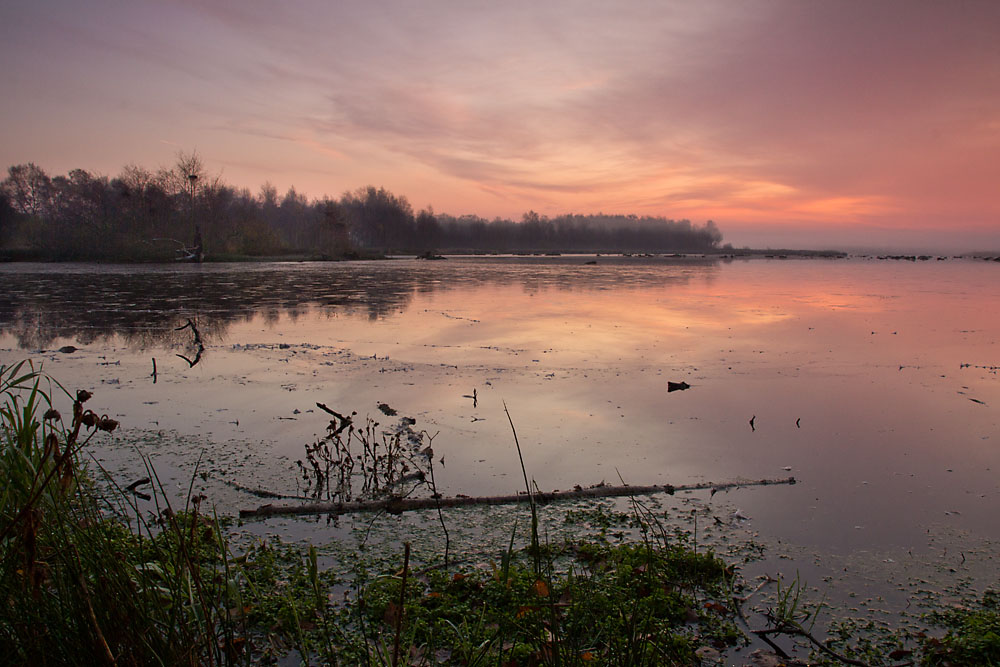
(758, 111)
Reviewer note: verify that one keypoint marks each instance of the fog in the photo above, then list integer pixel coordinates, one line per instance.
(864, 239)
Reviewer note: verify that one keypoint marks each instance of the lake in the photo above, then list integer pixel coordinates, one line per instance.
(874, 383)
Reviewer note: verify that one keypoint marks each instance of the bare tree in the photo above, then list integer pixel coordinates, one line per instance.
(190, 174)
(28, 188)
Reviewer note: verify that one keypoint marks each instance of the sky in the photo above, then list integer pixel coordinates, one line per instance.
(790, 123)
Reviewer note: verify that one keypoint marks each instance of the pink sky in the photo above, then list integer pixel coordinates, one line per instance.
(809, 124)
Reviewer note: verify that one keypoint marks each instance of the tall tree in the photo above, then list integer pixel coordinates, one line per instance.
(427, 230)
(379, 219)
(28, 188)
(331, 225)
(189, 175)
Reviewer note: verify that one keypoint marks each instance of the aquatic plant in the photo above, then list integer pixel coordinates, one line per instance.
(972, 634)
(377, 460)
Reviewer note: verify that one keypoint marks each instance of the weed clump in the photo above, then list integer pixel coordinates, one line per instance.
(77, 584)
(621, 604)
(352, 455)
(972, 633)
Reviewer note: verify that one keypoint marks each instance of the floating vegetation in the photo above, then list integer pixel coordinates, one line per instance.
(378, 461)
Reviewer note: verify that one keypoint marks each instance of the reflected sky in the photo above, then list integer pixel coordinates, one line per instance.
(142, 304)
(874, 383)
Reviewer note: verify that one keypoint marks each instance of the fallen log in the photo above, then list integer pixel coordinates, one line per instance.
(397, 505)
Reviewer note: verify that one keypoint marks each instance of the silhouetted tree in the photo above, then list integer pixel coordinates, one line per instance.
(330, 230)
(187, 176)
(8, 219)
(144, 215)
(294, 219)
(427, 231)
(378, 218)
(83, 216)
(142, 203)
(252, 235)
(579, 233)
(29, 189)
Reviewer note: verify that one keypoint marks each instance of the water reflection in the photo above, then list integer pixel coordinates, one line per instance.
(860, 375)
(144, 306)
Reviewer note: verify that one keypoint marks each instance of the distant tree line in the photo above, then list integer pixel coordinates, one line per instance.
(183, 212)
(578, 233)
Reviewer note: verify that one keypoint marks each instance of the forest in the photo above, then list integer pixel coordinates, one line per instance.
(185, 213)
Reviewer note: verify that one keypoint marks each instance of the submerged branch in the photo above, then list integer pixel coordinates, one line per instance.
(197, 345)
(794, 630)
(261, 493)
(397, 505)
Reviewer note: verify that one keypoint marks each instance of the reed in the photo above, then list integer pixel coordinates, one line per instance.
(77, 585)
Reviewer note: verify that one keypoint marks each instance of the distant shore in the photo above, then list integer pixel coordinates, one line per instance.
(229, 258)
(368, 255)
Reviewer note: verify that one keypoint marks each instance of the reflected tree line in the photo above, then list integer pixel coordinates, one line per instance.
(144, 307)
(183, 212)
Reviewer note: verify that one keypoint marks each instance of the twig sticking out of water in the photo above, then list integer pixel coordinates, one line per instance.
(531, 497)
(474, 396)
(436, 495)
(197, 345)
(134, 488)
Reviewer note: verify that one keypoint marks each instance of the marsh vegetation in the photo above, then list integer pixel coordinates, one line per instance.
(91, 574)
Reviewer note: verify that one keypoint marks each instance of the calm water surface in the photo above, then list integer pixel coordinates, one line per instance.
(874, 383)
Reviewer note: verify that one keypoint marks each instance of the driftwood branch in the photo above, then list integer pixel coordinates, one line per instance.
(795, 630)
(197, 344)
(397, 505)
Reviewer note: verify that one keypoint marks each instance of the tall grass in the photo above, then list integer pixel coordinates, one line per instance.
(77, 586)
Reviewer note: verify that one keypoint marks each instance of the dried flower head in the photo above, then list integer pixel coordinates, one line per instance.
(106, 423)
